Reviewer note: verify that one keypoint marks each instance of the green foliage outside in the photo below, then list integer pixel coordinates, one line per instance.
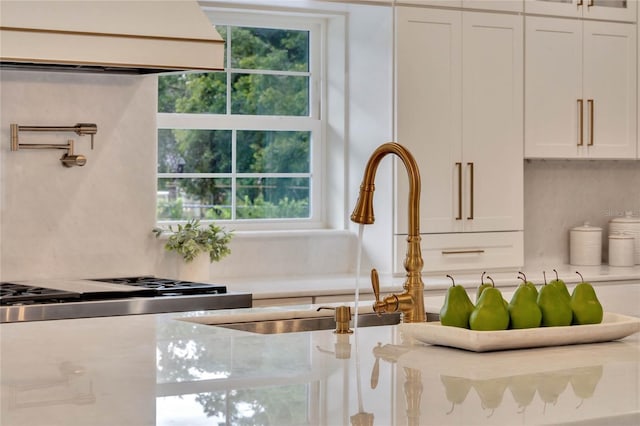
(257, 152)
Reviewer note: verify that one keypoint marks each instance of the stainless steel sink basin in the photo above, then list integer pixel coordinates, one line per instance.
(312, 324)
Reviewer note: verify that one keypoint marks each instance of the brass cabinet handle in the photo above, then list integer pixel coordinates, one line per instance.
(471, 191)
(579, 2)
(476, 251)
(590, 3)
(590, 104)
(459, 166)
(580, 122)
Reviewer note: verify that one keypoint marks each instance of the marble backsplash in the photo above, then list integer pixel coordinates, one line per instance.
(562, 194)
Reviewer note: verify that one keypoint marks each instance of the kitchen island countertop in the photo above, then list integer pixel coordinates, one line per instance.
(157, 370)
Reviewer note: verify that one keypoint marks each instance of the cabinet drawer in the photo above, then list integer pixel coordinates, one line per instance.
(465, 251)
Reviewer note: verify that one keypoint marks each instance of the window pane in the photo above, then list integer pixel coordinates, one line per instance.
(194, 151)
(193, 93)
(269, 49)
(259, 94)
(194, 198)
(268, 198)
(273, 151)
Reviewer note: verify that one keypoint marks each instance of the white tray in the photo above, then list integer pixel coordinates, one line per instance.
(612, 327)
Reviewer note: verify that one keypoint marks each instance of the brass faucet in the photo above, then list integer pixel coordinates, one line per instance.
(411, 301)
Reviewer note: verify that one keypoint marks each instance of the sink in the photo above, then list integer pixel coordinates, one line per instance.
(315, 323)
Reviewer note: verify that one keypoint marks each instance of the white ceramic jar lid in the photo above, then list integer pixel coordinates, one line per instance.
(621, 236)
(627, 218)
(587, 228)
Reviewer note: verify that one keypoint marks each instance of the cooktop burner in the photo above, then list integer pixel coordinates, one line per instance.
(164, 286)
(19, 293)
(34, 301)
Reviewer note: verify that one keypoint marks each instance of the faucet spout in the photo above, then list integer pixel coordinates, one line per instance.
(411, 302)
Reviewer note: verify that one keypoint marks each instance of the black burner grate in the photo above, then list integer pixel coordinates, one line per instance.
(13, 294)
(167, 287)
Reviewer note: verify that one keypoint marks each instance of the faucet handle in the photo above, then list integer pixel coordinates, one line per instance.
(375, 283)
(379, 306)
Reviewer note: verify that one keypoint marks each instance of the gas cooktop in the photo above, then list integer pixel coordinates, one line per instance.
(65, 299)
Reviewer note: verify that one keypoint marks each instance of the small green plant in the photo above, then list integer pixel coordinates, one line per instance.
(190, 239)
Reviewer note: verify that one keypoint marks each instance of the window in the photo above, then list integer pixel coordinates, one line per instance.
(244, 144)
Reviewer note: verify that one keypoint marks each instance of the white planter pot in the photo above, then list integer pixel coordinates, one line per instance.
(196, 270)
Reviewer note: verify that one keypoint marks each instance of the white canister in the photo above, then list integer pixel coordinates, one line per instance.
(585, 245)
(621, 250)
(628, 224)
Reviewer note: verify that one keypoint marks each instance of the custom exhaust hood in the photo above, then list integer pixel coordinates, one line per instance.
(128, 37)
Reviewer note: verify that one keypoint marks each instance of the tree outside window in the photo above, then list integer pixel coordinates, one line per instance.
(238, 144)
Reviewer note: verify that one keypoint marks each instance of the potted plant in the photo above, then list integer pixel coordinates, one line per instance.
(193, 241)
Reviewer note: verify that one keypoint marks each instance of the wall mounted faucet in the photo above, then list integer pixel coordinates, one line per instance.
(68, 159)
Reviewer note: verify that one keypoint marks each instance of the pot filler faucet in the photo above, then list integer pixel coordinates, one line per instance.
(411, 301)
(68, 159)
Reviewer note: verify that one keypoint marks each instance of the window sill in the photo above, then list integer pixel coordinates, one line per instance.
(297, 233)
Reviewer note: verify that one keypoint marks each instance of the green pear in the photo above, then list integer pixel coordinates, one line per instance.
(524, 311)
(482, 286)
(490, 312)
(457, 307)
(556, 310)
(585, 304)
(528, 283)
(560, 285)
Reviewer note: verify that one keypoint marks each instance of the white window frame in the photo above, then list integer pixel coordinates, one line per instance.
(314, 123)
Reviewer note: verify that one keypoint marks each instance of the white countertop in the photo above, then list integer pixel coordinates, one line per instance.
(329, 285)
(156, 370)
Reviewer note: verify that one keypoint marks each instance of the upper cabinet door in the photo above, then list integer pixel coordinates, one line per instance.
(428, 112)
(492, 121)
(580, 90)
(610, 89)
(553, 88)
(615, 10)
(464, 126)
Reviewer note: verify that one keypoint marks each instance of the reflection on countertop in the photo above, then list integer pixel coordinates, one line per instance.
(152, 369)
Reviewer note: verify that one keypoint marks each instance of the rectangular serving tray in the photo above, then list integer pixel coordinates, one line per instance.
(612, 327)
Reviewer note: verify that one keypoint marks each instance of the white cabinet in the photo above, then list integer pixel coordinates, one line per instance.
(614, 10)
(580, 89)
(462, 123)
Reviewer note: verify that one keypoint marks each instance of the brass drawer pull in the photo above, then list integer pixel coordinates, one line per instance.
(476, 251)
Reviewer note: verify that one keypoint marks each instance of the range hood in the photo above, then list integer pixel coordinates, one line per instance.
(131, 37)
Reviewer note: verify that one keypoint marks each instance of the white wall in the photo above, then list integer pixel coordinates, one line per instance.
(562, 194)
(80, 221)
